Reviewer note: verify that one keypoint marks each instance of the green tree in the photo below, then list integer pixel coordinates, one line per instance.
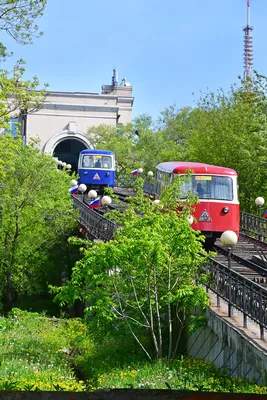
(120, 140)
(135, 145)
(175, 123)
(17, 95)
(229, 129)
(17, 19)
(36, 214)
(8, 150)
(148, 276)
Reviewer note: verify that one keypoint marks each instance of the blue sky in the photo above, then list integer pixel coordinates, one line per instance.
(167, 49)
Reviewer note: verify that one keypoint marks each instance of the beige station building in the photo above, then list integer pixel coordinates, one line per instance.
(61, 124)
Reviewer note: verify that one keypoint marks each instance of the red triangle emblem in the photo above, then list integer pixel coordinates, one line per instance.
(96, 177)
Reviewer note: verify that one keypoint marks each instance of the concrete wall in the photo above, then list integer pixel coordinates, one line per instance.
(228, 347)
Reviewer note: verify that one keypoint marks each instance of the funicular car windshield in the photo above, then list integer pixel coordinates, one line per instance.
(96, 161)
(211, 187)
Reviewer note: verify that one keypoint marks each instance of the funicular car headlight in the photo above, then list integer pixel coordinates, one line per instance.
(225, 210)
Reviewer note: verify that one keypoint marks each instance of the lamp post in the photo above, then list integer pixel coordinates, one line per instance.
(82, 188)
(229, 240)
(150, 175)
(259, 201)
(140, 170)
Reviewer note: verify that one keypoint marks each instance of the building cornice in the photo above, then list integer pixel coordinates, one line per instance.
(84, 95)
(79, 107)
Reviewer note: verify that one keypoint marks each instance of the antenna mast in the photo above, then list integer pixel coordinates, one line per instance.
(248, 46)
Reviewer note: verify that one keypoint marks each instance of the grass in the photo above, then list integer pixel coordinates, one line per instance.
(37, 353)
(182, 374)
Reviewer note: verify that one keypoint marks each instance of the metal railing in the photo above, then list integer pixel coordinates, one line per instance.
(240, 292)
(96, 224)
(149, 188)
(253, 225)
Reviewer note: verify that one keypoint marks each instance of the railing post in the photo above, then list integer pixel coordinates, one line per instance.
(230, 308)
(244, 305)
(217, 288)
(261, 314)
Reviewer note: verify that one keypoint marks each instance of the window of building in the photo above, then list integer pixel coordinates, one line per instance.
(13, 127)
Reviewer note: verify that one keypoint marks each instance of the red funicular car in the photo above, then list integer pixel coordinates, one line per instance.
(216, 187)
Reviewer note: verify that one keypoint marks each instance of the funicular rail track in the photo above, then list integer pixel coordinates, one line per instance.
(242, 260)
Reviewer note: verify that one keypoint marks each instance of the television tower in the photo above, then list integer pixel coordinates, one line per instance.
(248, 46)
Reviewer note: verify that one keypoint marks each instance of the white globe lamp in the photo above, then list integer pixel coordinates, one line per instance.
(92, 194)
(106, 201)
(190, 219)
(259, 201)
(73, 183)
(229, 238)
(82, 188)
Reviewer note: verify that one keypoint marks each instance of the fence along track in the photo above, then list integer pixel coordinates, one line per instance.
(94, 223)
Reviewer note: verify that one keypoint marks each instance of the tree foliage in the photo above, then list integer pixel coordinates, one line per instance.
(17, 95)
(135, 145)
(229, 129)
(147, 277)
(17, 19)
(36, 214)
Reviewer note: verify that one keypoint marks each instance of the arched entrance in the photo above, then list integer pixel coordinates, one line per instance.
(67, 145)
(68, 150)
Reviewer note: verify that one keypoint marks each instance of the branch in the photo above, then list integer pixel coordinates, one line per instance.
(157, 311)
(123, 315)
(151, 316)
(180, 332)
(169, 313)
(138, 304)
(130, 328)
